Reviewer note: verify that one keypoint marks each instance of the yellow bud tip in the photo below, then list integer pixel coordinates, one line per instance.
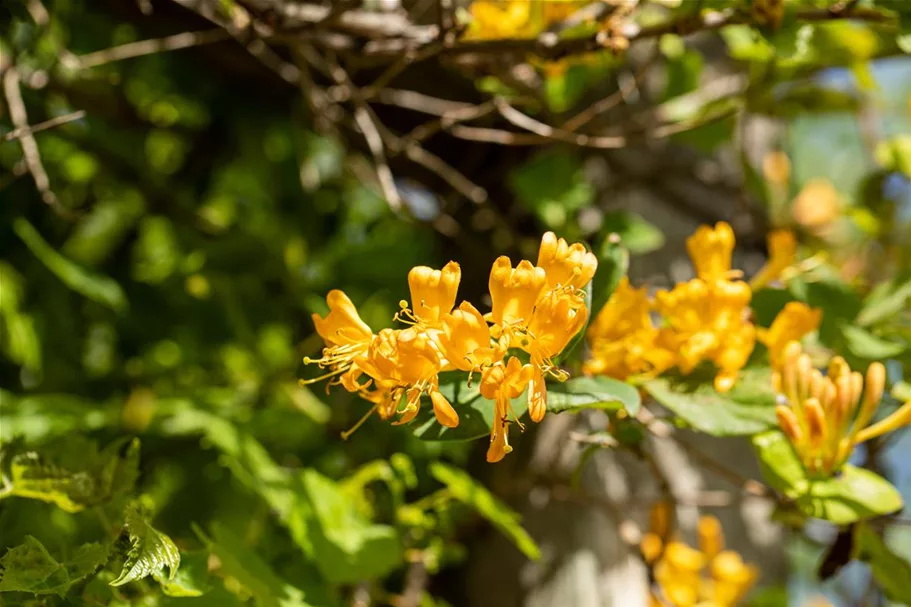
(307, 360)
(875, 384)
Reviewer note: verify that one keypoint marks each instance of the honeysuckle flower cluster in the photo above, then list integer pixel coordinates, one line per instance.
(704, 319)
(536, 309)
(826, 415)
(709, 576)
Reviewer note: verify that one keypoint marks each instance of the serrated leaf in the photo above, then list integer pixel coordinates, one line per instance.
(91, 479)
(92, 285)
(150, 549)
(237, 560)
(891, 571)
(475, 412)
(864, 344)
(29, 567)
(471, 493)
(855, 494)
(580, 393)
(747, 409)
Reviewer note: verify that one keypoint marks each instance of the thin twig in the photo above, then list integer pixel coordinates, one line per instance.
(19, 118)
(42, 126)
(448, 119)
(545, 130)
(149, 47)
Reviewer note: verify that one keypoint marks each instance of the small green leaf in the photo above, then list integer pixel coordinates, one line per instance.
(636, 233)
(466, 490)
(864, 344)
(855, 494)
(582, 393)
(96, 287)
(747, 409)
(150, 549)
(29, 567)
(552, 184)
(891, 571)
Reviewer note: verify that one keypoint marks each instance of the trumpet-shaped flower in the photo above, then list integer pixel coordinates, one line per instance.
(708, 321)
(407, 362)
(465, 340)
(433, 293)
(491, 19)
(346, 337)
(825, 416)
(623, 339)
(564, 264)
(782, 255)
(513, 293)
(709, 575)
(794, 321)
(502, 383)
(711, 249)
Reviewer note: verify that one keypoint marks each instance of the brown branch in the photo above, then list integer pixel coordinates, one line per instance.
(448, 119)
(148, 47)
(541, 129)
(20, 132)
(19, 118)
(419, 102)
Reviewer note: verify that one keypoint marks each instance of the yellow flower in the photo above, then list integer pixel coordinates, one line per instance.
(622, 338)
(825, 416)
(407, 362)
(709, 576)
(501, 383)
(708, 321)
(433, 292)
(513, 292)
(564, 264)
(465, 340)
(491, 19)
(782, 255)
(711, 250)
(346, 337)
(793, 322)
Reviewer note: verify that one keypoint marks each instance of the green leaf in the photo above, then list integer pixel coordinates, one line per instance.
(747, 409)
(562, 90)
(767, 303)
(580, 393)
(29, 567)
(475, 412)
(36, 417)
(864, 344)
(254, 574)
(881, 308)
(855, 494)
(150, 550)
(636, 234)
(76, 475)
(552, 184)
(96, 287)
(613, 264)
(836, 299)
(466, 490)
(346, 546)
(891, 571)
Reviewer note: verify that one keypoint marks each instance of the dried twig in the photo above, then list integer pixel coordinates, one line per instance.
(20, 132)
(19, 118)
(148, 47)
(544, 130)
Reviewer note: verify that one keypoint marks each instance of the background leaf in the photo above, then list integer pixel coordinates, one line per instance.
(150, 550)
(29, 567)
(580, 393)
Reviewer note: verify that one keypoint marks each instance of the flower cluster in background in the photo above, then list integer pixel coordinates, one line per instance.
(703, 319)
(536, 310)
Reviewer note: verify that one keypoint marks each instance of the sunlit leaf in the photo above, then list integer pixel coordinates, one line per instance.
(150, 550)
(855, 494)
(29, 567)
(747, 409)
(470, 492)
(866, 345)
(891, 302)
